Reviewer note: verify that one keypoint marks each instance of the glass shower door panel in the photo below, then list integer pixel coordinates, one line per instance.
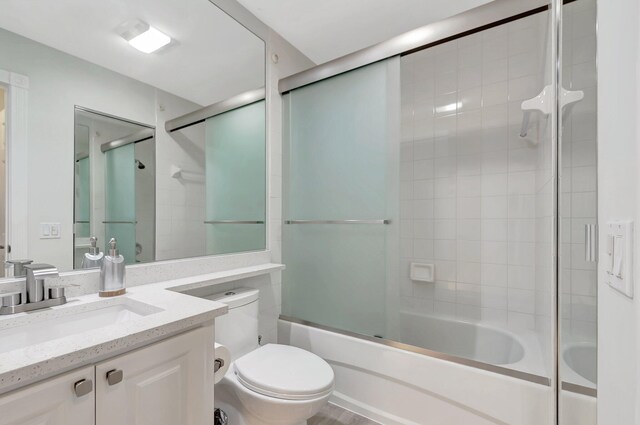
(235, 180)
(338, 153)
(578, 342)
(335, 276)
(120, 196)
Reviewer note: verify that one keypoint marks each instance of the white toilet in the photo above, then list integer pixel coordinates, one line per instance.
(270, 384)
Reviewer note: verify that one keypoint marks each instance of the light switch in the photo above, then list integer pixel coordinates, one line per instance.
(619, 260)
(618, 256)
(608, 261)
(49, 230)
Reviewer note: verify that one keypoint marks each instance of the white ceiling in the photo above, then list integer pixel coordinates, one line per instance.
(213, 58)
(327, 29)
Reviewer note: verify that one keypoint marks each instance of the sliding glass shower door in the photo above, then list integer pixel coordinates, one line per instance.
(342, 141)
(236, 158)
(120, 197)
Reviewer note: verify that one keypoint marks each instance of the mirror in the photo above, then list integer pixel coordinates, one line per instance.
(114, 187)
(141, 121)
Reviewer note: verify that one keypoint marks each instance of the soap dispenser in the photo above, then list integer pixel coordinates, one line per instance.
(94, 257)
(112, 278)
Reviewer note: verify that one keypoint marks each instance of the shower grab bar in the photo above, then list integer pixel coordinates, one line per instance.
(233, 222)
(337, 221)
(119, 222)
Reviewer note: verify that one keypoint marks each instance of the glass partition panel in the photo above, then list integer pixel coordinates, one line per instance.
(235, 180)
(577, 356)
(338, 213)
(120, 197)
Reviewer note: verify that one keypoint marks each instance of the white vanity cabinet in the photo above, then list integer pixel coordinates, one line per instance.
(166, 383)
(52, 402)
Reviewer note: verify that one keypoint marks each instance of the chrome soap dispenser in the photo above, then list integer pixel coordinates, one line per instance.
(94, 257)
(112, 272)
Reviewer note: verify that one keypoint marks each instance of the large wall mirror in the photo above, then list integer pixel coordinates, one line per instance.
(142, 121)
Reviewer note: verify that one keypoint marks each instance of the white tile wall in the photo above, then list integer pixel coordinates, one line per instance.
(468, 183)
(180, 203)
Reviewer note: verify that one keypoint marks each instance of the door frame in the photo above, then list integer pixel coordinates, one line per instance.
(16, 159)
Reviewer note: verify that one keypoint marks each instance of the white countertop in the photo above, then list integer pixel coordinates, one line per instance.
(169, 313)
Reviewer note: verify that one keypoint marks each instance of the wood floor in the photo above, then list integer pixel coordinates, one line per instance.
(334, 415)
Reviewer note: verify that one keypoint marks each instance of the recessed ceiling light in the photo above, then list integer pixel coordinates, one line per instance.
(143, 36)
(150, 40)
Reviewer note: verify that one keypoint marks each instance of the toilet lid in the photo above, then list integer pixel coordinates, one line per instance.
(285, 372)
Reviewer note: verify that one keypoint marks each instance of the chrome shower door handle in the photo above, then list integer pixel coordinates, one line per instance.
(590, 243)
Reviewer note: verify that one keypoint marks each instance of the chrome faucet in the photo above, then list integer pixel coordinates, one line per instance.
(36, 274)
(35, 296)
(18, 267)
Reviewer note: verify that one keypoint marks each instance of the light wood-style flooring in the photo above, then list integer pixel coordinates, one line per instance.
(334, 415)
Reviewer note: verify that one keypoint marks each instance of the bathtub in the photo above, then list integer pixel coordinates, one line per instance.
(474, 341)
(468, 340)
(579, 364)
(578, 395)
(393, 384)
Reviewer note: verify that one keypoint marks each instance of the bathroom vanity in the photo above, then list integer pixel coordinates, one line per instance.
(146, 357)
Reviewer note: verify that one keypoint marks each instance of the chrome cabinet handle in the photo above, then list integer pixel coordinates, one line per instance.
(114, 376)
(83, 387)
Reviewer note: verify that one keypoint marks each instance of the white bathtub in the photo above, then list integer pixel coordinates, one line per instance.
(469, 340)
(398, 387)
(578, 367)
(579, 364)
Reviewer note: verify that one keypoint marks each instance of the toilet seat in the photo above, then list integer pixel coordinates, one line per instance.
(284, 372)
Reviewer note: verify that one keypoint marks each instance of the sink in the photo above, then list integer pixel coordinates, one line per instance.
(38, 327)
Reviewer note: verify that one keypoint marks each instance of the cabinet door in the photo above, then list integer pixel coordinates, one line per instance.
(168, 383)
(52, 402)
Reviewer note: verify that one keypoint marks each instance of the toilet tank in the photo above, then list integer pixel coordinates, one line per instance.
(238, 329)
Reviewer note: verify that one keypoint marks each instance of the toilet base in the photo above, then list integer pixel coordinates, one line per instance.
(246, 407)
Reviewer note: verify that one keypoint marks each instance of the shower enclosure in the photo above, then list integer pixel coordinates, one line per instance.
(441, 197)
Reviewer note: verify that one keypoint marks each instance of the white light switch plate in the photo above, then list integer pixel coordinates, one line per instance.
(619, 259)
(49, 230)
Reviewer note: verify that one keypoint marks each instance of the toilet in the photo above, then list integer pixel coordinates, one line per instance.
(271, 384)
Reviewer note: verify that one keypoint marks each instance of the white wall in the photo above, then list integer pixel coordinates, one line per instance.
(618, 176)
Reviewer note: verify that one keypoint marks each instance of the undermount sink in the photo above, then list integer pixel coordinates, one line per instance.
(38, 327)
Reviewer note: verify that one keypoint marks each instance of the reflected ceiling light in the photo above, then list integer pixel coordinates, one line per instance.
(448, 108)
(143, 36)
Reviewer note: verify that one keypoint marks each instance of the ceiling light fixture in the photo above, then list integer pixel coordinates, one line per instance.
(143, 36)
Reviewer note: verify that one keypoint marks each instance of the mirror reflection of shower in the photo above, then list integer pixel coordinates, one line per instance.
(115, 185)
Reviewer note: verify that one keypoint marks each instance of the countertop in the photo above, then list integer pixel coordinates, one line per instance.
(169, 313)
